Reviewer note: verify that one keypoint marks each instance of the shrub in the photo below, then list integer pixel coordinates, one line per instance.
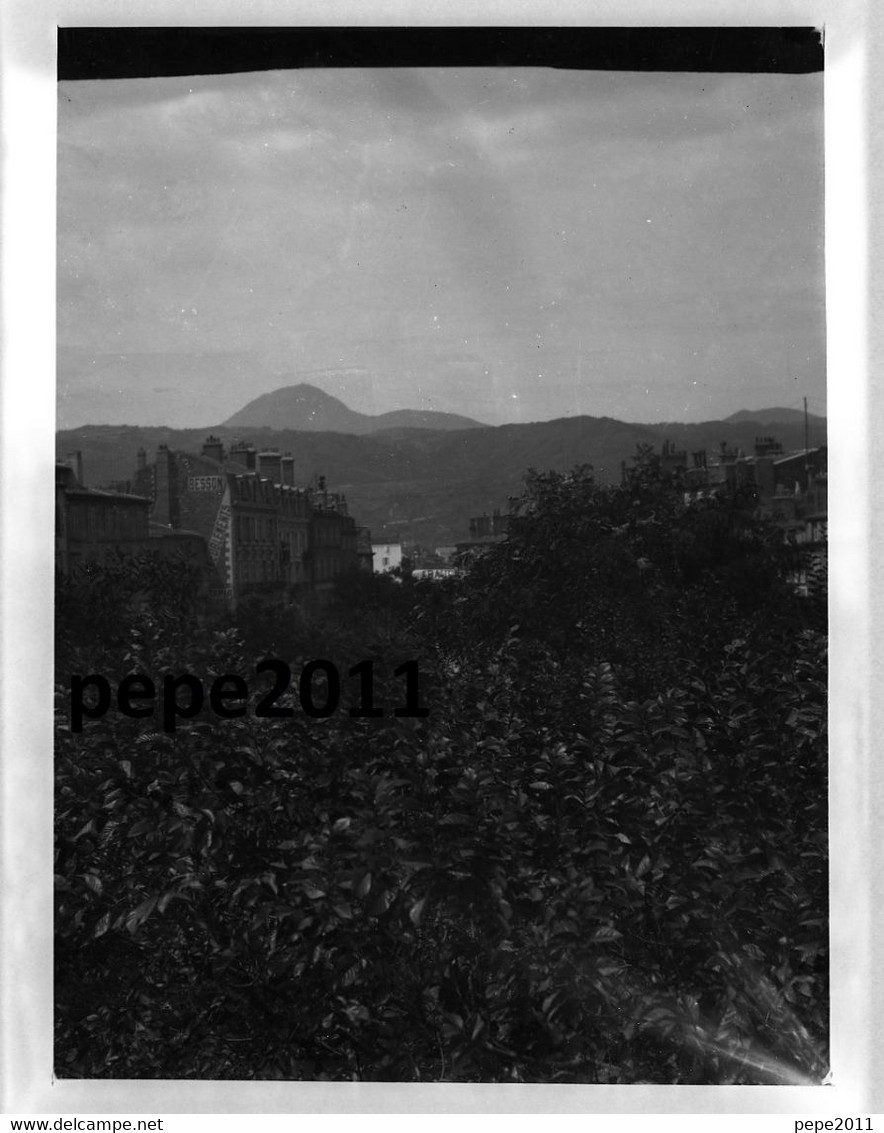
(600, 858)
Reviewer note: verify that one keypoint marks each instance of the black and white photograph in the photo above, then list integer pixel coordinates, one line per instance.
(441, 508)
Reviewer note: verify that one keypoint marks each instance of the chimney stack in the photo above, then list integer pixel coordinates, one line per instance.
(141, 459)
(270, 465)
(213, 448)
(764, 446)
(75, 460)
(166, 498)
(288, 470)
(243, 453)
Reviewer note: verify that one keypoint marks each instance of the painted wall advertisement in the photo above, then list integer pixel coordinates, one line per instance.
(221, 544)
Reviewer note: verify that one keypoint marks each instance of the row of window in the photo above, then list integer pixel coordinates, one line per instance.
(260, 571)
(328, 535)
(265, 529)
(254, 528)
(265, 569)
(251, 489)
(102, 522)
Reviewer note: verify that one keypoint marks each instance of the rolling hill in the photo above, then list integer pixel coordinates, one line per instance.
(426, 483)
(776, 416)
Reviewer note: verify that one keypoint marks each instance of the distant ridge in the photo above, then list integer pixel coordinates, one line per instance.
(305, 408)
(774, 416)
(426, 483)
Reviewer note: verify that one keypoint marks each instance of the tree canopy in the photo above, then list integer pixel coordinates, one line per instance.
(600, 858)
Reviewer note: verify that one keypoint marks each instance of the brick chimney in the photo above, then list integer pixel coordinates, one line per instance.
(245, 454)
(166, 502)
(288, 470)
(213, 448)
(270, 465)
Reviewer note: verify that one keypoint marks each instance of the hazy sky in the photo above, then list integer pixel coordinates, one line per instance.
(513, 244)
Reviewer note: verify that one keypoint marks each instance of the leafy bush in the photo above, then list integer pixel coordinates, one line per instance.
(600, 858)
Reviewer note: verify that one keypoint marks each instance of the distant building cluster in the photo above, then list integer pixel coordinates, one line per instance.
(485, 530)
(236, 513)
(239, 517)
(799, 475)
(791, 487)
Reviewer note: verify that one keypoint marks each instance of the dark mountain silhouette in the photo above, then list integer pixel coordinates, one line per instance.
(310, 410)
(427, 483)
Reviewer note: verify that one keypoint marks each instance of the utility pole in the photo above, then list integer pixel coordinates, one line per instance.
(806, 455)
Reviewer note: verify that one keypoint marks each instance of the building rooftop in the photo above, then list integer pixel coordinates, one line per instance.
(104, 493)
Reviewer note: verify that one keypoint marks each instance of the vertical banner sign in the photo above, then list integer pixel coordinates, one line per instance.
(220, 549)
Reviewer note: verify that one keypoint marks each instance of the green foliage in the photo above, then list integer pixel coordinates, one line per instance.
(601, 858)
(634, 577)
(99, 604)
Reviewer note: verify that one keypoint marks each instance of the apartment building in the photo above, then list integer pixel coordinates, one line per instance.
(265, 535)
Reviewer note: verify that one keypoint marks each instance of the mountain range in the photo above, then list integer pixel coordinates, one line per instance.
(424, 481)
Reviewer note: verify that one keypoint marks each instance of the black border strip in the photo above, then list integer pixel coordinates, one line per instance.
(141, 52)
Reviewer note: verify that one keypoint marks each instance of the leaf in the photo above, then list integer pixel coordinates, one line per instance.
(140, 914)
(540, 785)
(381, 903)
(416, 911)
(414, 867)
(364, 887)
(102, 926)
(549, 1002)
(312, 892)
(94, 882)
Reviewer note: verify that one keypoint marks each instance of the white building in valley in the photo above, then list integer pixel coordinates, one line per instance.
(387, 556)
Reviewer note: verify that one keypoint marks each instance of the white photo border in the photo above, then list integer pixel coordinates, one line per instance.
(28, 105)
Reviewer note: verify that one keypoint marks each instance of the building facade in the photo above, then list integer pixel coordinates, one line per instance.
(387, 557)
(265, 535)
(90, 525)
(93, 525)
(791, 490)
